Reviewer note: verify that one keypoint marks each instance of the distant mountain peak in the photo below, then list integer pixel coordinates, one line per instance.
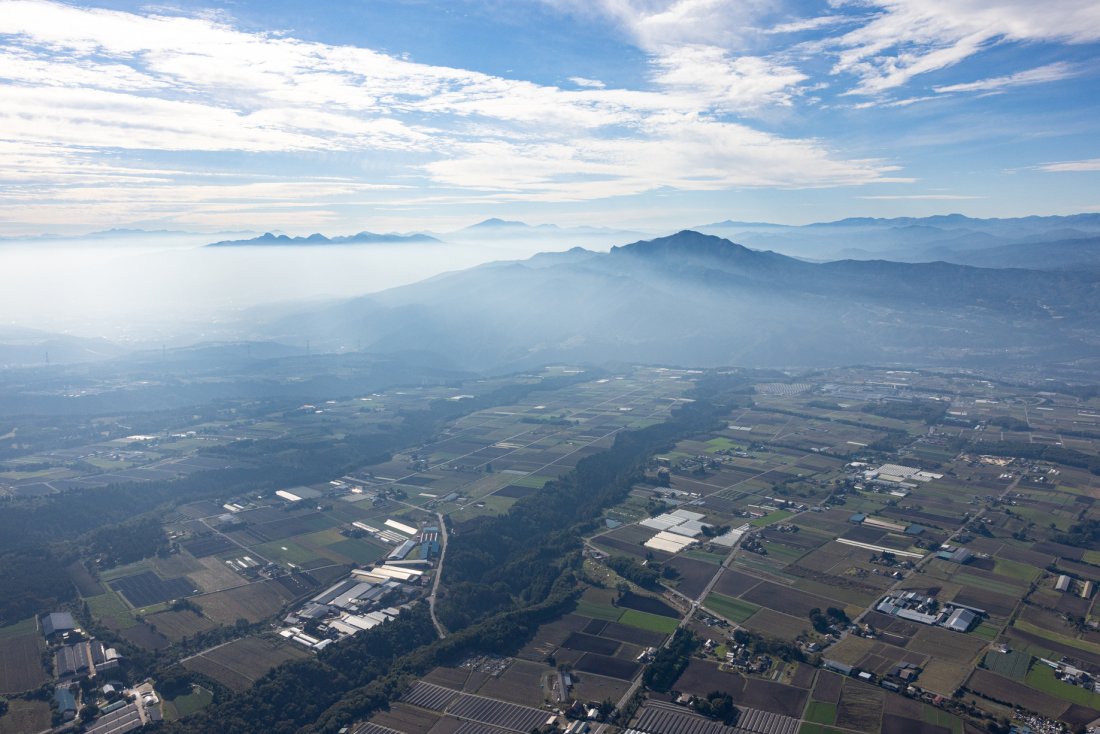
(267, 239)
(685, 242)
(495, 222)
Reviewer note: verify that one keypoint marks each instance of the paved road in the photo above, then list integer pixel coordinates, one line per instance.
(439, 628)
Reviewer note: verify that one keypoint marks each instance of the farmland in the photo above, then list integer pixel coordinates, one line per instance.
(771, 536)
(237, 664)
(21, 663)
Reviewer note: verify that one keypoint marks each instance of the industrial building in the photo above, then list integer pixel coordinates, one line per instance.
(86, 658)
(924, 609)
(57, 623)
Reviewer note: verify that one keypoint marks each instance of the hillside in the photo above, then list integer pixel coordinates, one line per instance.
(698, 299)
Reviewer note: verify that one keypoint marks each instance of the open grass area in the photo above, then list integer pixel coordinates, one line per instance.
(771, 518)
(987, 631)
(1041, 678)
(735, 610)
(358, 550)
(25, 716)
(821, 713)
(127, 570)
(110, 607)
(646, 621)
(596, 610)
(287, 551)
(1015, 570)
(939, 717)
(27, 626)
(1046, 634)
(538, 481)
(808, 728)
(183, 706)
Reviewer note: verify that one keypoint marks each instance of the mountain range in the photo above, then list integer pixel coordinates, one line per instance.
(1017, 242)
(698, 299)
(269, 239)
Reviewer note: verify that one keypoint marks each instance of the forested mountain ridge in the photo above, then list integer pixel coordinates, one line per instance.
(703, 300)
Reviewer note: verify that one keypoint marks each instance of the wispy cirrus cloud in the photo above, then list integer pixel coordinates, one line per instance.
(903, 39)
(1090, 164)
(1039, 75)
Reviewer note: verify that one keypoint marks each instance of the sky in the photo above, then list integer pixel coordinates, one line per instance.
(410, 115)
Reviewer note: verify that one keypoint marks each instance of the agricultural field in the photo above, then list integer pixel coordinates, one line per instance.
(253, 602)
(793, 471)
(25, 716)
(237, 664)
(21, 662)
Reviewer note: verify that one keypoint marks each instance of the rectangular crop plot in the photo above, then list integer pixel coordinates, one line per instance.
(208, 546)
(590, 643)
(610, 667)
(515, 490)
(787, 600)
(647, 604)
(497, 713)
(663, 719)
(734, 610)
(472, 727)
(651, 622)
(369, 728)
(429, 696)
(1012, 664)
(146, 588)
(20, 664)
(632, 635)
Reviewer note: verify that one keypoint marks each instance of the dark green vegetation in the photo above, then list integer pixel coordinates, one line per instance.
(670, 661)
(32, 581)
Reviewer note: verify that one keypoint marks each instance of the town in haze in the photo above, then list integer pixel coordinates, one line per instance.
(553, 367)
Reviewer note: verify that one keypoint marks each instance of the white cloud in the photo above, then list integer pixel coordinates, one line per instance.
(725, 83)
(906, 38)
(1039, 75)
(581, 81)
(1091, 164)
(86, 93)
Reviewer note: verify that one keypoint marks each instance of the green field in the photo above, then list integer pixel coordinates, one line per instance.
(1013, 664)
(535, 481)
(820, 712)
(987, 631)
(1046, 634)
(1041, 678)
(651, 622)
(783, 553)
(808, 728)
(969, 579)
(598, 611)
(733, 609)
(110, 606)
(287, 551)
(358, 550)
(721, 444)
(1015, 570)
(936, 716)
(182, 706)
(700, 555)
(771, 517)
(27, 626)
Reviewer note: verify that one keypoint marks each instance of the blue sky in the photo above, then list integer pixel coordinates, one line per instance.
(400, 115)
